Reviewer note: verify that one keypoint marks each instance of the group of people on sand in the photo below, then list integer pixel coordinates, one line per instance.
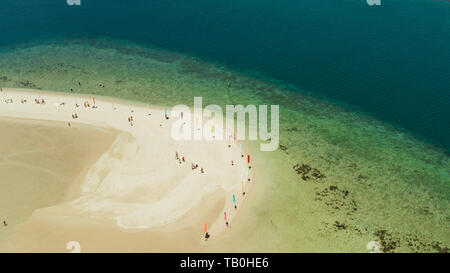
(195, 166)
(130, 120)
(181, 160)
(8, 101)
(39, 101)
(86, 104)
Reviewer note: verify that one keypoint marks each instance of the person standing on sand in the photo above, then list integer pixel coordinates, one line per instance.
(5, 224)
(207, 236)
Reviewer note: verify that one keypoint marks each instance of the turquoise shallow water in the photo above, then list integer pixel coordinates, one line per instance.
(339, 180)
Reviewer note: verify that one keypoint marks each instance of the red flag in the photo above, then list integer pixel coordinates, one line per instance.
(225, 215)
(248, 159)
(94, 99)
(206, 229)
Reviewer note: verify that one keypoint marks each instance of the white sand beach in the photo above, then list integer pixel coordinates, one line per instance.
(135, 196)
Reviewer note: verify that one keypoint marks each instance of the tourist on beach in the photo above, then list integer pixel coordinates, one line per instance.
(232, 163)
(202, 171)
(183, 159)
(4, 223)
(207, 236)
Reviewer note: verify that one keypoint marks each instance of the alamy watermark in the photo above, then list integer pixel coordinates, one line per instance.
(74, 2)
(73, 246)
(374, 247)
(209, 123)
(373, 2)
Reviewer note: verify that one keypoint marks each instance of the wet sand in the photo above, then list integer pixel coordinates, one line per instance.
(40, 162)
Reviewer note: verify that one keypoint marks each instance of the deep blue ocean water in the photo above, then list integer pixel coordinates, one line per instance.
(391, 61)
